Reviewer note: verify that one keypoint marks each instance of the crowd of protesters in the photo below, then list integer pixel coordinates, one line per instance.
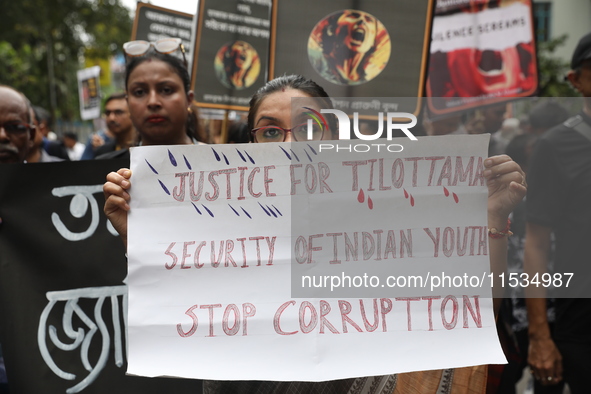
(551, 145)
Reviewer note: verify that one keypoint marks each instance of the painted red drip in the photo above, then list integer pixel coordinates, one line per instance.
(445, 191)
(412, 201)
(405, 194)
(361, 196)
(369, 202)
(456, 199)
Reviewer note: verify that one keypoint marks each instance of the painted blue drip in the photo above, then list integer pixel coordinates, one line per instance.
(236, 212)
(217, 157)
(286, 154)
(272, 211)
(250, 158)
(164, 187)
(172, 159)
(208, 211)
(241, 155)
(296, 156)
(226, 159)
(312, 149)
(187, 163)
(247, 214)
(267, 212)
(279, 212)
(307, 154)
(151, 168)
(197, 209)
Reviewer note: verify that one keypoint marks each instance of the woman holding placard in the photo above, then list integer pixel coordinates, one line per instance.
(270, 120)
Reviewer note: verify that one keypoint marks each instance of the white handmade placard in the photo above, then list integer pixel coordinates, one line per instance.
(223, 238)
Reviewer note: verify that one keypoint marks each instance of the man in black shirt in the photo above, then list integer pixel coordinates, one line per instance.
(559, 202)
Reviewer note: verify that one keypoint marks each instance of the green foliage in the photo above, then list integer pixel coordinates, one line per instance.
(70, 28)
(17, 67)
(552, 70)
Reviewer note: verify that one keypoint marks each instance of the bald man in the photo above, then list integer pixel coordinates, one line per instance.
(16, 131)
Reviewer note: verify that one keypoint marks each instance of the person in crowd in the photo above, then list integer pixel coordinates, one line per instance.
(95, 141)
(488, 120)
(270, 120)
(116, 117)
(512, 323)
(73, 147)
(510, 128)
(118, 124)
(16, 137)
(16, 128)
(492, 121)
(545, 115)
(45, 123)
(159, 98)
(558, 203)
(37, 154)
(50, 142)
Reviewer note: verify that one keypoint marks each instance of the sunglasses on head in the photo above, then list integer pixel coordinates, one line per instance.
(165, 46)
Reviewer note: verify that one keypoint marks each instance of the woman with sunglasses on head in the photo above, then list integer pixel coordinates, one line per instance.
(159, 97)
(159, 94)
(270, 120)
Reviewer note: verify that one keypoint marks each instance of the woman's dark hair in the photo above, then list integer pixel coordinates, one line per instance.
(178, 66)
(296, 82)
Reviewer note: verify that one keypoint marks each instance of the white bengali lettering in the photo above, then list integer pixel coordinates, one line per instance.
(80, 338)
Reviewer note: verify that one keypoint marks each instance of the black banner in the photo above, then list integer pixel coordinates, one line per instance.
(62, 296)
(231, 58)
(152, 23)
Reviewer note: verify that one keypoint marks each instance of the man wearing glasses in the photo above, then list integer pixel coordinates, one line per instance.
(16, 131)
(118, 124)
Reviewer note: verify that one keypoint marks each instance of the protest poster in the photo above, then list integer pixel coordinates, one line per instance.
(360, 49)
(481, 53)
(62, 290)
(234, 251)
(152, 23)
(89, 92)
(105, 65)
(232, 52)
